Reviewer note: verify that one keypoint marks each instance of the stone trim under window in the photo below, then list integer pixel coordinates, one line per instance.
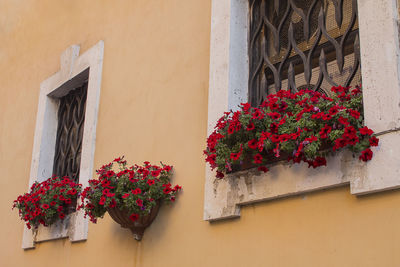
(75, 70)
(228, 87)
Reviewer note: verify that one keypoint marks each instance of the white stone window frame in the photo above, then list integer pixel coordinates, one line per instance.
(228, 87)
(74, 70)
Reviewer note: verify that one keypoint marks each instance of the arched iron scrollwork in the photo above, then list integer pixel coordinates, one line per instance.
(311, 44)
(71, 117)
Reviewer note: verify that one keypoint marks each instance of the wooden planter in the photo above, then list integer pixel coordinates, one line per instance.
(137, 227)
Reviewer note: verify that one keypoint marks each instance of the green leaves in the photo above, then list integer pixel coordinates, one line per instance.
(302, 125)
(135, 189)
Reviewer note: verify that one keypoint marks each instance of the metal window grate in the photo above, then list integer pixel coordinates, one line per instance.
(71, 117)
(311, 44)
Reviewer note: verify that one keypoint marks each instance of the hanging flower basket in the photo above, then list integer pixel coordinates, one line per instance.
(303, 126)
(138, 226)
(131, 195)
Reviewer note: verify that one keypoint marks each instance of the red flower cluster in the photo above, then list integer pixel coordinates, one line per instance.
(299, 126)
(47, 201)
(136, 189)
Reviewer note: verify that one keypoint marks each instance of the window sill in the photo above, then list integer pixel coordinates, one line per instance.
(284, 179)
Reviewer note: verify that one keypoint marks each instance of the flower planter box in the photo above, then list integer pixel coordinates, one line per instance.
(298, 127)
(137, 227)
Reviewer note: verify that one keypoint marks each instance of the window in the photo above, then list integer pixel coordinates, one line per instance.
(302, 44)
(71, 118)
(65, 133)
(375, 34)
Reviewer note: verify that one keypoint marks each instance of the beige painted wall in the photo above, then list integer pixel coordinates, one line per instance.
(153, 107)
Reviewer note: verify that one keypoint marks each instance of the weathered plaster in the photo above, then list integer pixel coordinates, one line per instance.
(74, 70)
(379, 43)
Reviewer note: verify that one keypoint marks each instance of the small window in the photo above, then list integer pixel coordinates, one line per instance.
(71, 118)
(302, 44)
(65, 134)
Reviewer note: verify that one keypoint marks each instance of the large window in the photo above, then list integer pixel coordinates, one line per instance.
(312, 44)
(293, 44)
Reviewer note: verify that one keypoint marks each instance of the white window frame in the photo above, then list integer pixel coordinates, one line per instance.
(228, 87)
(73, 72)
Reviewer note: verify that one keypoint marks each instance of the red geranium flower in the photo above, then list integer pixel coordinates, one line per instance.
(354, 113)
(245, 107)
(102, 200)
(253, 144)
(235, 156)
(274, 128)
(366, 131)
(333, 110)
(274, 115)
(373, 141)
(177, 187)
(110, 174)
(263, 169)
(257, 114)
(113, 203)
(366, 155)
(325, 131)
(250, 127)
(319, 161)
(134, 217)
(326, 117)
(136, 191)
(167, 190)
(343, 121)
(258, 159)
(220, 175)
(155, 173)
(72, 191)
(139, 202)
(167, 168)
(150, 182)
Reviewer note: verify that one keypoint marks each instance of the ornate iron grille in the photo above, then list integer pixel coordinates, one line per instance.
(71, 117)
(310, 44)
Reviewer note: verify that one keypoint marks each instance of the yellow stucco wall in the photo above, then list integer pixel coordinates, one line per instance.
(153, 107)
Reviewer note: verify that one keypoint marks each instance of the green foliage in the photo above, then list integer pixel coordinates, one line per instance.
(299, 126)
(135, 189)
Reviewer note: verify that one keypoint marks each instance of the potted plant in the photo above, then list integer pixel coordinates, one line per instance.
(131, 195)
(48, 201)
(302, 126)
